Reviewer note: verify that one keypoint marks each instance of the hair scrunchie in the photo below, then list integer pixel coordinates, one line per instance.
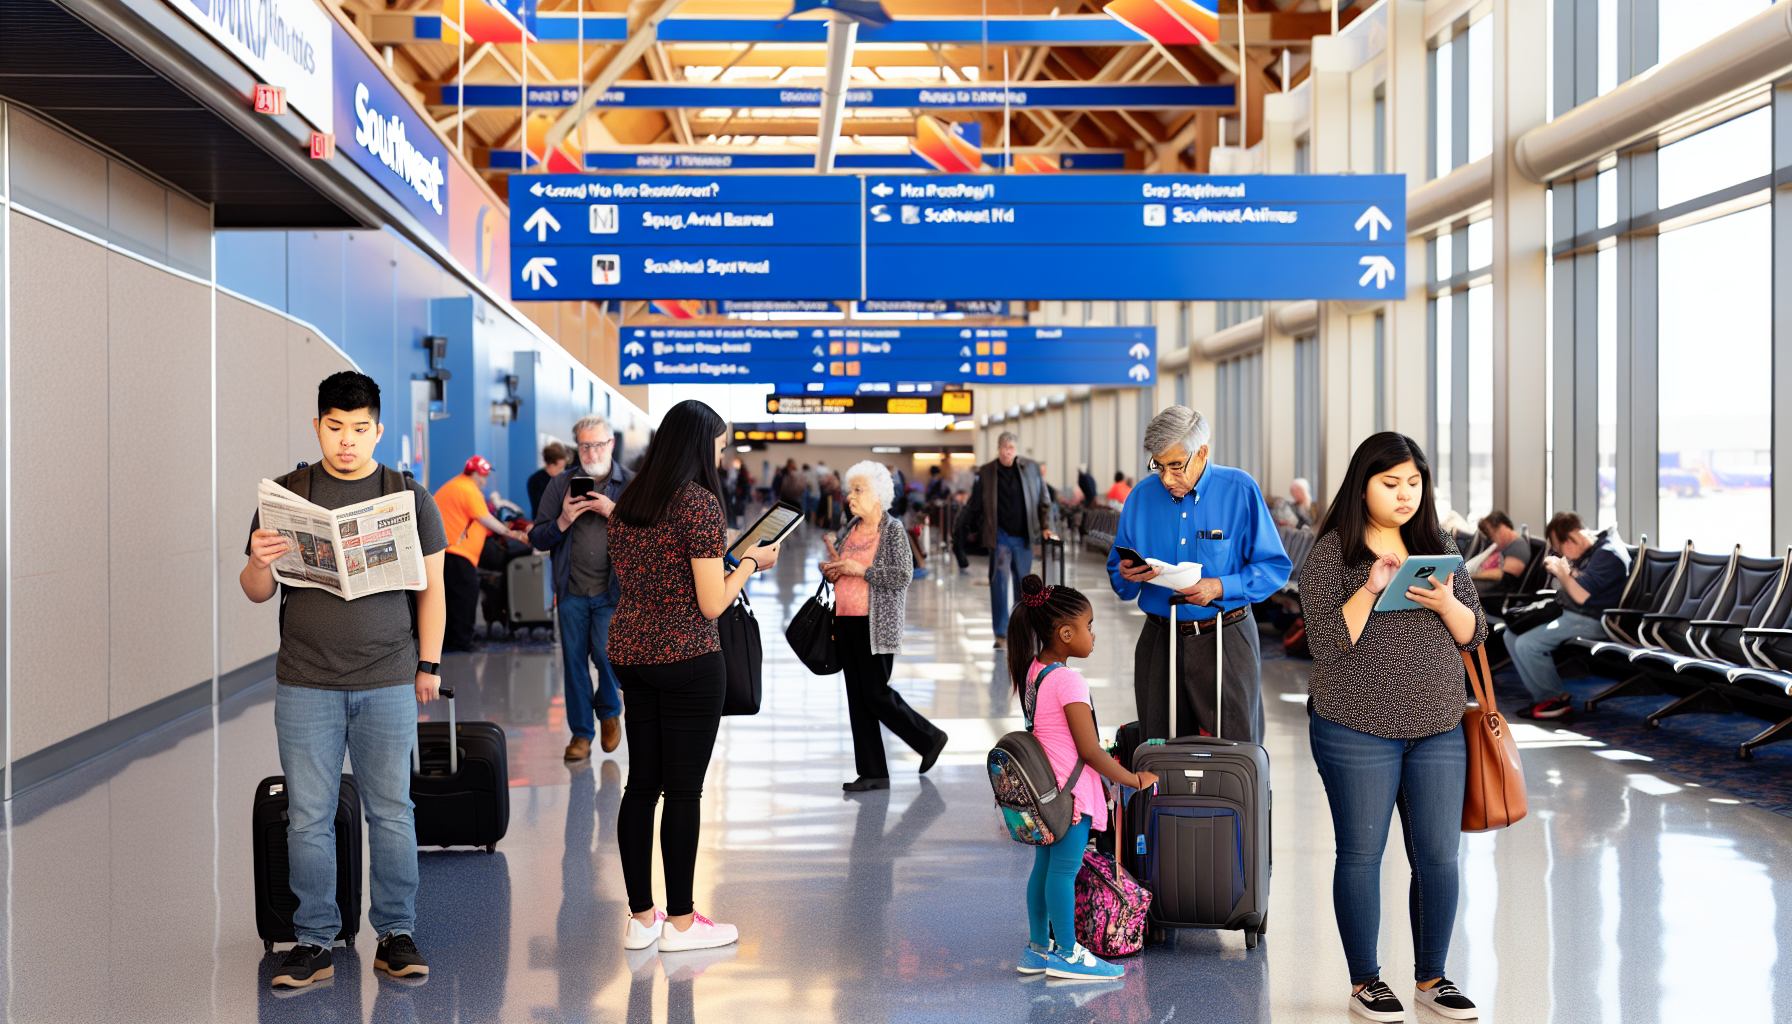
(1038, 599)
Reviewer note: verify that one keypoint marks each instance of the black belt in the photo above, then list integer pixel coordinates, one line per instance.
(1196, 627)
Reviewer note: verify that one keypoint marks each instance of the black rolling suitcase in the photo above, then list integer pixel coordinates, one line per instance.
(274, 900)
(1200, 839)
(461, 790)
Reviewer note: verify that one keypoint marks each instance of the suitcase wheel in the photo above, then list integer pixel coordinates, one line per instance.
(1250, 939)
(491, 848)
(267, 945)
(351, 941)
(1154, 934)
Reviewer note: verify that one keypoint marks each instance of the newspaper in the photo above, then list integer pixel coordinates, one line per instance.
(1179, 576)
(353, 551)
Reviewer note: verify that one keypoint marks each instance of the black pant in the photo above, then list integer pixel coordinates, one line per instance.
(869, 700)
(1194, 665)
(460, 579)
(671, 714)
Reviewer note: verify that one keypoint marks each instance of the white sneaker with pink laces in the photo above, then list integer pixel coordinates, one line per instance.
(640, 936)
(702, 934)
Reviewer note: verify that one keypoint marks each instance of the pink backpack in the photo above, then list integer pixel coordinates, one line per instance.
(1110, 905)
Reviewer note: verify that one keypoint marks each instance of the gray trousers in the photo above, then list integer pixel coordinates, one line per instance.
(1194, 664)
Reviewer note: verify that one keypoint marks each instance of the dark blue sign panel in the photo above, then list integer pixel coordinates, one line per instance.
(659, 160)
(381, 132)
(702, 95)
(592, 237)
(1134, 236)
(982, 355)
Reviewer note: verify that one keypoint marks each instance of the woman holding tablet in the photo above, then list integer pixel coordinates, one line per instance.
(1385, 711)
(666, 545)
(871, 570)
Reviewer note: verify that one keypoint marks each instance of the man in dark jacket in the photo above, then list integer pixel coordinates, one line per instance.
(576, 531)
(1009, 512)
(1590, 572)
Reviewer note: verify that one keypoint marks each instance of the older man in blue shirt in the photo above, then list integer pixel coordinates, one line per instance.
(1195, 511)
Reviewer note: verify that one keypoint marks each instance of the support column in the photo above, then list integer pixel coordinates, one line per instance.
(1782, 324)
(1520, 247)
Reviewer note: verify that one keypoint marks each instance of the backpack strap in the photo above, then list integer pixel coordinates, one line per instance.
(1076, 772)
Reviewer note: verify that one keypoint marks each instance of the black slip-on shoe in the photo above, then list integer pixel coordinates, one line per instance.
(1377, 1002)
(865, 783)
(933, 755)
(398, 957)
(1446, 1000)
(302, 965)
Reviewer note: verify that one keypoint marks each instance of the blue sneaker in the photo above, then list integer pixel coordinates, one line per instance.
(1080, 965)
(1033, 960)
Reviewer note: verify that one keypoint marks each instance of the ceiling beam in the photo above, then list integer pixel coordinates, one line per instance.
(842, 33)
(640, 38)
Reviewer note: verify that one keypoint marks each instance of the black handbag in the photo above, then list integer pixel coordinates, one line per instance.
(811, 632)
(1527, 617)
(743, 655)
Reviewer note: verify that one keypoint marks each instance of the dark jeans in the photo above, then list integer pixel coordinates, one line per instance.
(1010, 555)
(460, 581)
(1366, 778)
(673, 713)
(869, 700)
(585, 642)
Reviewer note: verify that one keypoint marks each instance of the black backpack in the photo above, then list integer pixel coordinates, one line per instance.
(1035, 808)
(391, 482)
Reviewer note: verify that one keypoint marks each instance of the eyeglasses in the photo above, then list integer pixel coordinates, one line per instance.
(1168, 467)
(597, 447)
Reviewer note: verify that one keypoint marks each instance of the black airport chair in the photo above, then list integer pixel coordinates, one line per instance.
(1694, 586)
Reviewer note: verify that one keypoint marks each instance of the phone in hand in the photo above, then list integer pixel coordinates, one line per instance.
(581, 487)
(1129, 555)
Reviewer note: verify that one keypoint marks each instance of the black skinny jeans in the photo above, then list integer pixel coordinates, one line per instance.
(672, 712)
(460, 579)
(870, 700)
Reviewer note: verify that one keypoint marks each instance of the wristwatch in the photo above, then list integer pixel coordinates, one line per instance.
(433, 668)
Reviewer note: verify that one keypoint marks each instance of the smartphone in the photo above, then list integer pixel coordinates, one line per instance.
(581, 487)
(1129, 555)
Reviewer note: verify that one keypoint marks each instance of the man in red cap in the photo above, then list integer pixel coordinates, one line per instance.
(467, 521)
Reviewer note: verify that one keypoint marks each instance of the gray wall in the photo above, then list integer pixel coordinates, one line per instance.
(112, 402)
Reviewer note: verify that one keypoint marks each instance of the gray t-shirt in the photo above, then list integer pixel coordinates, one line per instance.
(588, 559)
(1519, 549)
(330, 644)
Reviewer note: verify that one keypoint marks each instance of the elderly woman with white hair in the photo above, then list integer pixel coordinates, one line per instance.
(871, 571)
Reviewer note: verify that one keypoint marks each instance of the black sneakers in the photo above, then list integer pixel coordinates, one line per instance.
(1376, 1001)
(398, 957)
(302, 965)
(1446, 1000)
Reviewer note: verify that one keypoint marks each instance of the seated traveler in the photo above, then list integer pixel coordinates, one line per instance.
(1589, 577)
(1515, 553)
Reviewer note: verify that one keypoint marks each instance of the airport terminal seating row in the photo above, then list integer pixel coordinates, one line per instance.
(1713, 631)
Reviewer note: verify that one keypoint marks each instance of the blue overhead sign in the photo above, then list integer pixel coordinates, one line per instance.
(964, 96)
(382, 133)
(1071, 30)
(804, 355)
(1171, 237)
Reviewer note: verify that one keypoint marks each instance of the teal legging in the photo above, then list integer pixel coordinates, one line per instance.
(1051, 891)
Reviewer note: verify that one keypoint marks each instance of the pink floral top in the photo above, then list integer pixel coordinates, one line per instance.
(851, 594)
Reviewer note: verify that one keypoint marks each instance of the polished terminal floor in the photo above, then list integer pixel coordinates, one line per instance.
(1627, 895)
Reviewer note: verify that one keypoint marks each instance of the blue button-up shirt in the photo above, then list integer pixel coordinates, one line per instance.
(1247, 556)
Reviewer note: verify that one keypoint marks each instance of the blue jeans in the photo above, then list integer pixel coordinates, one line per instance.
(1366, 778)
(584, 640)
(1531, 652)
(377, 729)
(1008, 556)
(1051, 889)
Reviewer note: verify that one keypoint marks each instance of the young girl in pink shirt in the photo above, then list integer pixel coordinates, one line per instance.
(1047, 628)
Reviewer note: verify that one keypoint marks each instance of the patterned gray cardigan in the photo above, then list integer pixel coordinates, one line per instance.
(887, 578)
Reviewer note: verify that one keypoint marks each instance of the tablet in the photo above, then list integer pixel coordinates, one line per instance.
(1416, 570)
(774, 526)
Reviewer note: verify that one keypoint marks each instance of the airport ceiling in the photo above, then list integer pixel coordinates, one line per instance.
(420, 41)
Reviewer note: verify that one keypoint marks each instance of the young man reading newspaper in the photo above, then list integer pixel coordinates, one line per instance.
(350, 679)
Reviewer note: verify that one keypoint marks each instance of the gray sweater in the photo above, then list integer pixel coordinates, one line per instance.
(887, 579)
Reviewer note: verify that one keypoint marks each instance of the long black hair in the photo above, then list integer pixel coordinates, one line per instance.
(1349, 511)
(682, 451)
(1030, 627)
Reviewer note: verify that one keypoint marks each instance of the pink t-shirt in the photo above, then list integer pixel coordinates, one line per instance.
(852, 595)
(1064, 686)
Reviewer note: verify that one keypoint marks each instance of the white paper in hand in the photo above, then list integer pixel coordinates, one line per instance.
(1179, 576)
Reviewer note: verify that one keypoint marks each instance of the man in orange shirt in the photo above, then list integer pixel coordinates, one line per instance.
(1116, 494)
(467, 521)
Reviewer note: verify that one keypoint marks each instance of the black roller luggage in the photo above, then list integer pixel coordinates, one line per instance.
(275, 902)
(1199, 839)
(461, 790)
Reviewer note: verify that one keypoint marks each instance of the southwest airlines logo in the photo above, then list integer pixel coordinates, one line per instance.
(384, 137)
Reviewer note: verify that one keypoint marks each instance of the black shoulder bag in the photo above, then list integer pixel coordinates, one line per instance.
(811, 632)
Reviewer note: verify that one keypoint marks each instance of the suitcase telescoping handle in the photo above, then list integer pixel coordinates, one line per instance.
(1219, 658)
(453, 741)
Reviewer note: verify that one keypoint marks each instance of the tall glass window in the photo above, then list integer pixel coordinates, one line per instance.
(1480, 89)
(1306, 408)
(1608, 388)
(1381, 129)
(1480, 403)
(1238, 434)
(1686, 24)
(1442, 108)
(1716, 158)
(1235, 311)
(1441, 376)
(1716, 396)
(1381, 373)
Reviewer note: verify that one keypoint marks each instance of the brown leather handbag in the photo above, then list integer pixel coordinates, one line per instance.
(1494, 797)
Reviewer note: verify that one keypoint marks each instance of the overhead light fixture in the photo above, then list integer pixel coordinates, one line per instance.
(885, 450)
(927, 455)
(743, 447)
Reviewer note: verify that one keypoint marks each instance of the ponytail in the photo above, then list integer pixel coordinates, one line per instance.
(1040, 610)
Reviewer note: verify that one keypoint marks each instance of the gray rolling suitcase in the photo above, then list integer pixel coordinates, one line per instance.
(1200, 839)
(529, 591)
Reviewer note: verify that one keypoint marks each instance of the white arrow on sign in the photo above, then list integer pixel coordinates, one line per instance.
(1139, 351)
(1375, 221)
(881, 190)
(818, 368)
(537, 189)
(964, 368)
(633, 348)
(880, 213)
(539, 222)
(1139, 372)
(817, 350)
(1381, 271)
(536, 270)
(633, 370)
